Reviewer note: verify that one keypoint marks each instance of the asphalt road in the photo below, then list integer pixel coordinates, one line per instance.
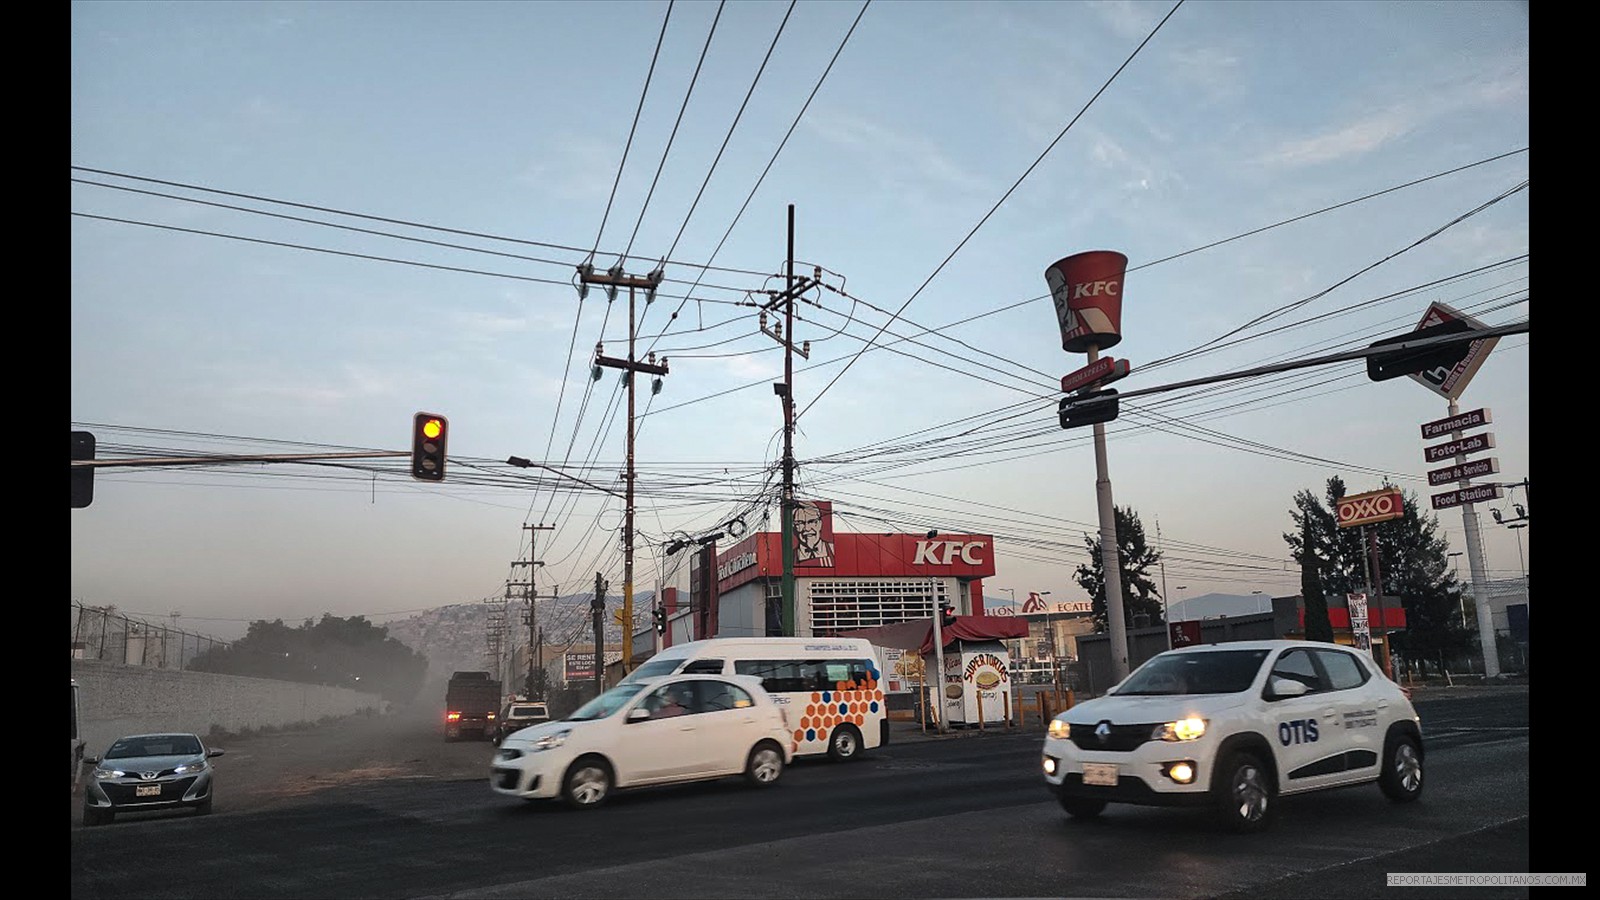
(383, 807)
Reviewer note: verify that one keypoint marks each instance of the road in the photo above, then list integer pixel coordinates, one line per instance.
(404, 814)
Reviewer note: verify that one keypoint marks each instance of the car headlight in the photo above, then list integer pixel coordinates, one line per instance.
(1182, 730)
(551, 741)
(108, 773)
(1059, 729)
(193, 768)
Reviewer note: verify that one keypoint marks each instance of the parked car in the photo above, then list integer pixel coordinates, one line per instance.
(520, 714)
(665, 730)
(144, 772)
(1235, 726)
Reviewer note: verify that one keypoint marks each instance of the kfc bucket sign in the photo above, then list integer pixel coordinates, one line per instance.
(1087, 290)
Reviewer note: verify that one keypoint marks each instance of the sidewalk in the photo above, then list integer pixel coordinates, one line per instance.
(912, 732)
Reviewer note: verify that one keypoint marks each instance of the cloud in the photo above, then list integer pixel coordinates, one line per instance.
(1354, 139)
(895, 152)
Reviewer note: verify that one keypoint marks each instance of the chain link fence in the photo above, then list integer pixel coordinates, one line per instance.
(101, 633)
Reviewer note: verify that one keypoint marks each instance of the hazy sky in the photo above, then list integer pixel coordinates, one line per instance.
(296, 224)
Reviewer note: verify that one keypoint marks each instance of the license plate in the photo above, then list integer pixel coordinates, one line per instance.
(147, 790)
(1100, 773)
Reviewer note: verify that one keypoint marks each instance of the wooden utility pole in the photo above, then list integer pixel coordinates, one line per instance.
(535, 686)
(597, 609)
(785, 391)
(614, 279)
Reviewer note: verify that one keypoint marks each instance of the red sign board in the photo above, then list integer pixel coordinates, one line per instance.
(858, 555)
(1463, 471)
(1449, 383)
(1474, 494)
(1475, 443)
(1101, 370)
(1184, 634)
(1373, 506)
(1470, 419)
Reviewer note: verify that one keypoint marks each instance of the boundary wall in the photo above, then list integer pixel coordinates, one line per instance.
(117, 699)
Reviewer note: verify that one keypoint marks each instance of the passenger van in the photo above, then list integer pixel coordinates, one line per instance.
(831, 689)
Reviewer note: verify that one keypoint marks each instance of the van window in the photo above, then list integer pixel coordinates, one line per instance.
(779, 675)
(704, 667)
(655, 668)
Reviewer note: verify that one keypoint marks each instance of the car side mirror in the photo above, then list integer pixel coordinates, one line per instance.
(638, 715)
(214, 751)
(92, 760)
(1287, 687)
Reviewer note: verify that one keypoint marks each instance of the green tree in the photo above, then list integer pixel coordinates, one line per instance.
(1135, 559)
(1412, 558)
(349, 653)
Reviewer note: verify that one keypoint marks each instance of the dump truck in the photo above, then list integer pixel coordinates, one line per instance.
(472, 703)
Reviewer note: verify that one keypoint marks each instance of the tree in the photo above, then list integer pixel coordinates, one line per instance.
(1412, 559)
(1135, 558)
(350, 653)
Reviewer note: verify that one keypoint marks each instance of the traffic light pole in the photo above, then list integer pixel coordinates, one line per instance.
(1116, 620)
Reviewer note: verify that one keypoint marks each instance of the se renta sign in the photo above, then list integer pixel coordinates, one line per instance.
(1373, 506)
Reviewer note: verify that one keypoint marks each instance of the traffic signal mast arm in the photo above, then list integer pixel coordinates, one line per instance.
(1363, 353)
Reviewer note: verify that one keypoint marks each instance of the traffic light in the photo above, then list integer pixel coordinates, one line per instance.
(1089, 409)
(661, 620)
(947, 617)
(82, 476)
(429, 432)
(1394, 363)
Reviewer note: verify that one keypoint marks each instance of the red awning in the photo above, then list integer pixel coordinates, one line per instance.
(977, 628)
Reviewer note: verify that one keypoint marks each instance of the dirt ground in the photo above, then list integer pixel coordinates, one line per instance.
(259, 769)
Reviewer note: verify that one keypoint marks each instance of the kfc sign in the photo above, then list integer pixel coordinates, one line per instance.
(943, 553)
(737, 564)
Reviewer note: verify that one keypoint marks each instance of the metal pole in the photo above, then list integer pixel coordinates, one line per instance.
(1480, 585)
(1109, 556)
(937, 695)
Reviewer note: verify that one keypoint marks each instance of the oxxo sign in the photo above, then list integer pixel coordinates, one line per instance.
(1373, 506)
(929, 552)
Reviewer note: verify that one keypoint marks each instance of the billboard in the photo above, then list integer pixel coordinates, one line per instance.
(1450, 382)
(578, 666)
(1373, 506)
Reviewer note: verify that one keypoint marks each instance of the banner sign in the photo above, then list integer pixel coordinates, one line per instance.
(1471, 444)
(1441, 427)
(1184, 634)
(1357, 604)
(1474, 494)
(1463, 471)
(580, 666)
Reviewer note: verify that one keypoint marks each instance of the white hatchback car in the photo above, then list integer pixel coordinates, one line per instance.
(1235, 726)
(650, 732)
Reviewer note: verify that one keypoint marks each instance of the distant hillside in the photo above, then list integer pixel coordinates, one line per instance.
(1212, 605)
(456, 638)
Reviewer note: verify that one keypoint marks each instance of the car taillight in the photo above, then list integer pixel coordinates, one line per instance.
(452, 716)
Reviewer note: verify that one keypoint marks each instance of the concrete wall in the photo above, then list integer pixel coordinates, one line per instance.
(117, 699)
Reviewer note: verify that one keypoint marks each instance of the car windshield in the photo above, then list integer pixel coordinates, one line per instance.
(607, 703)
(1211, 672)
(655, 668)
(164, 745)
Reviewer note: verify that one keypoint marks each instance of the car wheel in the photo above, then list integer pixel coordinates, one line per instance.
(765, 764)
(93, 816)
(1244, 793)
(1401, 778)
(588, 783)
(844, 744)
(1082, 808)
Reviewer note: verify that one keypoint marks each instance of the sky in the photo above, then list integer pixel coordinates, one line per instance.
(295, 225)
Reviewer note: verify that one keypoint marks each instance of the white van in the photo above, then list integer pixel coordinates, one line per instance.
(831, 689)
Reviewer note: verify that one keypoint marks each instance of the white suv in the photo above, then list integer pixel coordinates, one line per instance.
(1235, 726)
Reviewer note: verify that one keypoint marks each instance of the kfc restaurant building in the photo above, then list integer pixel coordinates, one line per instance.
(843, 582)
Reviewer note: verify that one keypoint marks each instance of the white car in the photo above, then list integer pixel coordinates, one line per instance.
(654, 731)
(1235, 726)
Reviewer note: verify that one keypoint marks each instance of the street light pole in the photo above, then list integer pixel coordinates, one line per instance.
(1461, 593)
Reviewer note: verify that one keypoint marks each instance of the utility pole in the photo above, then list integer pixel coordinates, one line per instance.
(597, 609)
(783, 334)
(613, 279)
(535, 686)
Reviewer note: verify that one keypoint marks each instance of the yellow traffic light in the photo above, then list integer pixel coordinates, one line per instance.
(429, 432)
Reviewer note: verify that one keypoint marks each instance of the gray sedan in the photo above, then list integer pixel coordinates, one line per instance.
(144, 772)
